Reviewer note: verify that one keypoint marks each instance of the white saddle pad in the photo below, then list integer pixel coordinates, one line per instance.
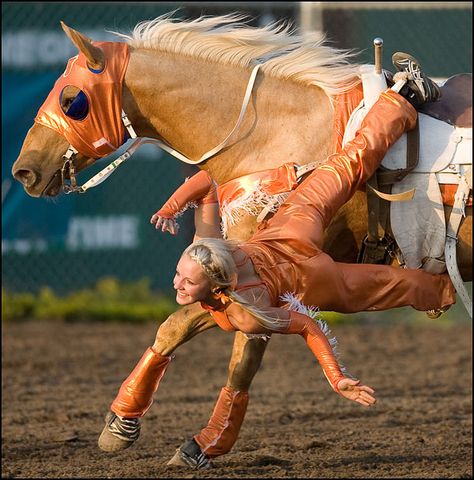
(419, 225)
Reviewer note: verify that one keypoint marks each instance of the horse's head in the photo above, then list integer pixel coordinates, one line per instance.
(83, 110)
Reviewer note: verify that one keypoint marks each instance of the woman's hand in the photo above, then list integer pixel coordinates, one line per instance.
(358, 393)
(166, 224)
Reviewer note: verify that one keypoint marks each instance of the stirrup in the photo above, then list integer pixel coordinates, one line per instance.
(119, 433)
(424, 88)
(190, 455)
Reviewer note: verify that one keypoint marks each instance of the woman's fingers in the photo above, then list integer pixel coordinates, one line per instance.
(154, 218)
(368, 398)
(367, 389)
(157, 221)
(168, 225)
(365, 403)
(365, 398)
(165, 224)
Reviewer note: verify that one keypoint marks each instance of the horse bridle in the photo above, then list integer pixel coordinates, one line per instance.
(69, 170)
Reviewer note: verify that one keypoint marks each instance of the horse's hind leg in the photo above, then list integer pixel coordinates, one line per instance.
(135, 396)
(221, 432)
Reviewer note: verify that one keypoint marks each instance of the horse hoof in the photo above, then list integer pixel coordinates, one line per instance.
(190, 455)
(110, 443)
(119, 433)
(177, 461)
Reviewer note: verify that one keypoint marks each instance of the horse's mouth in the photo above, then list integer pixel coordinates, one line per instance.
(54, 186)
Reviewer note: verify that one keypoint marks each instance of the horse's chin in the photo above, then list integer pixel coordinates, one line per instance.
(53, 187)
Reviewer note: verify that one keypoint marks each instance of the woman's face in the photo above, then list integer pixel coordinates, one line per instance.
(190, 282)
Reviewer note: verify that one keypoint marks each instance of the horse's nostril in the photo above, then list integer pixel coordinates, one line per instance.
(27, 177)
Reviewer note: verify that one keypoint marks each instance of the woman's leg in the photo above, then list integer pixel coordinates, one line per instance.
(349, 288)
(302, 219)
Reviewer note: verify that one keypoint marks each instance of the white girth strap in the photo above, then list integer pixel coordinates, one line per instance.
(457, 214)
(221, 145)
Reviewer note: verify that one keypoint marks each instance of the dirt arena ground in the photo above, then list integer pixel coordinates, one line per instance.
(59, 379)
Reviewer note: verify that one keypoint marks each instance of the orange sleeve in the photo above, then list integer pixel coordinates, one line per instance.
(200, 189)
(318, 343)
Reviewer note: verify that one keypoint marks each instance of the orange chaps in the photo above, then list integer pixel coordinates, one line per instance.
(224, 425)
(136, 393)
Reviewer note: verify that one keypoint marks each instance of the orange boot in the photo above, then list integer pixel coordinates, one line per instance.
(224, 425)
(122, 426)
(136, 393)
(220, 434)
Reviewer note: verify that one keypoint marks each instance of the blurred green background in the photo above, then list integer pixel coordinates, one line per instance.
(79, 243)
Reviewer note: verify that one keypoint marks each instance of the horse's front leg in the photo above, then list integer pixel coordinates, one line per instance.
(221, 432)
(122, 425)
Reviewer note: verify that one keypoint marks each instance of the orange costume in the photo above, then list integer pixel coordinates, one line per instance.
(286, 251)
(99, 129)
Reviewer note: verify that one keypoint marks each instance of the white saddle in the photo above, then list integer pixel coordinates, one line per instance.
(445, 156)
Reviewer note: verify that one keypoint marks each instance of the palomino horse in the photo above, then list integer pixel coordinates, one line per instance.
(183, 84)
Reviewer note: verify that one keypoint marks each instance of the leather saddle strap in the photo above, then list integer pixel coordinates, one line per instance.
(378, 209)
(389, 177)
(304, 169)
(376, 218)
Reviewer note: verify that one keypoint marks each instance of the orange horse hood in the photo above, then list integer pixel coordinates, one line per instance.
(96, 129)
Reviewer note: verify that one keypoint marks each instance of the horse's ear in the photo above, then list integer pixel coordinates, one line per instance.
(95, 55)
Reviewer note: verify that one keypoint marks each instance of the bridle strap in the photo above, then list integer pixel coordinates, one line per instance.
(109, 169)
(104, 173)
(69, 167)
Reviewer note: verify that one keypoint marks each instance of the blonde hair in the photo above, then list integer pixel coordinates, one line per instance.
(214, 256)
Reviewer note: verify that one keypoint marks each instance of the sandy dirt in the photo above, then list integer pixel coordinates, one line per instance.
(59, 380)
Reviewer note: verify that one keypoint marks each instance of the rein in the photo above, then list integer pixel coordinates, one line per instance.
(69, 168)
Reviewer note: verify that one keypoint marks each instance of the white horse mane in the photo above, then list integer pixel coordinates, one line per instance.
(228, 39)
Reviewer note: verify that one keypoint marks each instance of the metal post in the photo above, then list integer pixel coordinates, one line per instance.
(311, 17)
(378, 42)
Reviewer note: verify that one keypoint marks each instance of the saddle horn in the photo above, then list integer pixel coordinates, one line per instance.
(378, 42)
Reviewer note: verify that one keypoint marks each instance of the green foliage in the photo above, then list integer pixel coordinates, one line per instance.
(335, 318)
(108, 300)
(17, 306)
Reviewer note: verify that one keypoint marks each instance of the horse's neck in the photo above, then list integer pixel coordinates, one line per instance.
(193, 105)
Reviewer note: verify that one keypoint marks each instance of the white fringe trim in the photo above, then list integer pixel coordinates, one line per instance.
(251, 203)
(188, 205)
(293, 303)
